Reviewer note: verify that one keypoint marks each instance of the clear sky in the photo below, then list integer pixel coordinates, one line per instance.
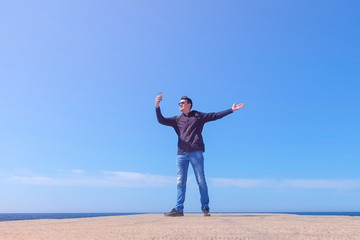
(78, 81)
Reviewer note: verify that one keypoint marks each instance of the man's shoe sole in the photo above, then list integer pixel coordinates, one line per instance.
(173, 215)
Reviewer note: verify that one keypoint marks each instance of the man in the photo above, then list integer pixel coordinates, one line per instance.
(188, 126)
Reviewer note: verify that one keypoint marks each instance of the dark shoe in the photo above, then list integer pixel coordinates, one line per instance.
(174, 213)
(206, 212)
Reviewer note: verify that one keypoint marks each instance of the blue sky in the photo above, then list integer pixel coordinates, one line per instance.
(78, 80)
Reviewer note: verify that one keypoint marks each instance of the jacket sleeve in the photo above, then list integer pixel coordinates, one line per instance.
(165, 121)
(207, 117)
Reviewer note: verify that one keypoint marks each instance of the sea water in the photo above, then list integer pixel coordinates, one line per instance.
(31, 216)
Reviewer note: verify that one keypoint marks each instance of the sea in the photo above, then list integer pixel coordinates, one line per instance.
(33, 216)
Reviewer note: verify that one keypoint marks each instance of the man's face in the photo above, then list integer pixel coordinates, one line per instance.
(184, 106)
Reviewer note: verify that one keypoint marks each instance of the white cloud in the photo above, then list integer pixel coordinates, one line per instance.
(138, 180)
(35, 180)
(132, 179)
(104, 179)
(242, 183)
(322, 184)
(326, 184)
(77, 171)
(71, 171)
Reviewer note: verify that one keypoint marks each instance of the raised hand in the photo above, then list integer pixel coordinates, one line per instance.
(236, 106)
(158, 99)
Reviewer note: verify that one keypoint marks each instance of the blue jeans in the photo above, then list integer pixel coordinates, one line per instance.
(197, 162)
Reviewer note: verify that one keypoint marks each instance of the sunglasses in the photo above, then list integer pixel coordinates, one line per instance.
(182, 102)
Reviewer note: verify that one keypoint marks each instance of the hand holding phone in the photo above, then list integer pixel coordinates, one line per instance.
(158, 99)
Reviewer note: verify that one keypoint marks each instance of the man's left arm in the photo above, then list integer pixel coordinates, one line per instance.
(207, 117)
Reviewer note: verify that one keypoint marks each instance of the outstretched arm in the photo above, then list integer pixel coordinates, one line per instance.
(217, 115)
(236, 106)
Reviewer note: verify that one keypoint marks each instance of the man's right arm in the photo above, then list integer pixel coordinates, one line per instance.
(165, 121)
(161, 119)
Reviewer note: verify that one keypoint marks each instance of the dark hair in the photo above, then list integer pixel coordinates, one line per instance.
(188, 100)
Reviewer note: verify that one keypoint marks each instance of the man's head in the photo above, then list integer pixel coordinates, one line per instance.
(185, 104)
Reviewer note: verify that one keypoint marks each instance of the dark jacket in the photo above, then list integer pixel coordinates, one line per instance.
(189, 128)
